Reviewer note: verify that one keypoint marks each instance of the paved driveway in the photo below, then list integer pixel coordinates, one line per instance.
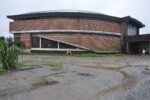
(79, 78)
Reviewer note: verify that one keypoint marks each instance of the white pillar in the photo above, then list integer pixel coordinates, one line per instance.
(40, 42)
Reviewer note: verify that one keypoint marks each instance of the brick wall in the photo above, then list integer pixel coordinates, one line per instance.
(94, 42)
(25, 37)
(65, 24)
(91, 41)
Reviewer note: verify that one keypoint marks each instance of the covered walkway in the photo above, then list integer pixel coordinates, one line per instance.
(136, 44)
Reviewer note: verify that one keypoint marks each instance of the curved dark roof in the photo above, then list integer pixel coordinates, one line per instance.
(72, 13)
(64, 10)
(62, 13)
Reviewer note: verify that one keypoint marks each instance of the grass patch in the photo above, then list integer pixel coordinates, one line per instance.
(84, 74)
(21, 65)
(54, 64)
(44, 82)
(113, 68)
(2, 71)
(97, 55)
(77, 55)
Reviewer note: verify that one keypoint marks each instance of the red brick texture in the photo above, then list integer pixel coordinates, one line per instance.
(65, 24)
(25, 37)
(93, 42)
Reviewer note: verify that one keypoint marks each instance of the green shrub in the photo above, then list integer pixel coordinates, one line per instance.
(2, 38)
(19, 44)
(8, 55)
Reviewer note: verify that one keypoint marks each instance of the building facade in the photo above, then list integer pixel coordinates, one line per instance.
(74, 31)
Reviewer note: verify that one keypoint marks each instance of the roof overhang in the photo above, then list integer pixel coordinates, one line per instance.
(133, 21)
(139, 38)
(73, 14)
(51, 14)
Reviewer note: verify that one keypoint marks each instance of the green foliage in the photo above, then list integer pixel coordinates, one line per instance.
(55, 64)
(26, 66)
(10, 42)
(77, 55)
(8, 55)
(2, 38)
(85, 74)
(19, 44)
(2, 71)
(97, 55)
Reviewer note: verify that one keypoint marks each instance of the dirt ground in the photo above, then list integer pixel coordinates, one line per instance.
(124, 77)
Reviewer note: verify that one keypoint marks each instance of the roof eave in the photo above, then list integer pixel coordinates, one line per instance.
(133, 20)
(65, 14)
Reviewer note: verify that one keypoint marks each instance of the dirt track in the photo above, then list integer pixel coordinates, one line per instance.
(79, 78)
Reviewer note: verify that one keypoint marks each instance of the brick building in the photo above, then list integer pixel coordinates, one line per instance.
(74, 31)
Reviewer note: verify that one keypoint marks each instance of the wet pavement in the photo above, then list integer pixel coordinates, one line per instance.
(79, 78)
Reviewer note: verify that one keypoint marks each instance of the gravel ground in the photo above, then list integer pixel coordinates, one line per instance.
(79, 78)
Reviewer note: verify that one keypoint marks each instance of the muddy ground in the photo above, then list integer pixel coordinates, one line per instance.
(79, 78)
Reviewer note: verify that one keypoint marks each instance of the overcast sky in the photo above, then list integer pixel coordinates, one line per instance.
(139, 9)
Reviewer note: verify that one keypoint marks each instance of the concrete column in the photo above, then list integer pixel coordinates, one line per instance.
(26, 38)
(40, 42)
(58, 45)
(127, 47)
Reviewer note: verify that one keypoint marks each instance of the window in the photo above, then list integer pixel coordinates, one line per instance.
(45, 43)
(132, 30)
(35, 42)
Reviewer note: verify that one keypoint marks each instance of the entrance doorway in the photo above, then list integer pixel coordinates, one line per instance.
(138, 47)
(134, 47)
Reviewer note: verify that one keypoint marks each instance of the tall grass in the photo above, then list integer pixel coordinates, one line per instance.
(8, 55)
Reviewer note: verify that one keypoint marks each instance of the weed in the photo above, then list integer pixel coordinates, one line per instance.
(44, 82)
(54, 64)
(84, 74)
(26, 66)
(2, 71)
